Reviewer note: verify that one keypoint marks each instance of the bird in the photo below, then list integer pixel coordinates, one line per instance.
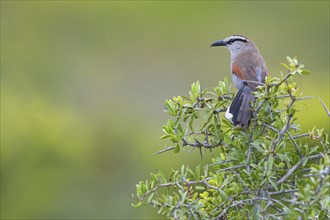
(249, 71)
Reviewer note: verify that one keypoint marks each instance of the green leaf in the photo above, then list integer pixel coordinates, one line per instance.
(137, 205)
(223, 195)
(289, 59)
(226, 122)
(199, 187)
(269, 165)
(150, 197)
(305, 72)
(204, 195)
(286, 66)
(164, 136)
(191, 123)
(177, 149)
(160, 210)
(305, 160)
(171, 107)
(273, 184)
(195, 91)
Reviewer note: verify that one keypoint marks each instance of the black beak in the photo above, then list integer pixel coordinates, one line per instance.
(219, 43)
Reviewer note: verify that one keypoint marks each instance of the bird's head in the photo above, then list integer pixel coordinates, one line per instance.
(235, 43)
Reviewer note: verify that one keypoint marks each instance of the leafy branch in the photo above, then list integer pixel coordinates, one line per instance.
(269, 171)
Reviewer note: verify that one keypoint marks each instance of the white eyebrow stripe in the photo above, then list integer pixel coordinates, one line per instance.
(237, 37)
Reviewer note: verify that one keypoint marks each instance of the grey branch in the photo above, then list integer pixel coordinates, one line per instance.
(295, 167)
(300, 135)
(282, 192)
(295, 145)
(231, 168)
(162, 151)
(325, 108)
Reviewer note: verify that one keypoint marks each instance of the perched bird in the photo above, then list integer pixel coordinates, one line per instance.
(248, 71)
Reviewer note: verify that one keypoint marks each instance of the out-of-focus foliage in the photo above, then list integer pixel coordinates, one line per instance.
(83, 85)
(269, 171)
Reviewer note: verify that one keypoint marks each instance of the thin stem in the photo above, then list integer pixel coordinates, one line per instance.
(231, 168)
(295, 167)
(295, 145)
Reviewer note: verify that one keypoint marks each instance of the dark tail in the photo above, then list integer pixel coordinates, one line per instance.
(240, 108)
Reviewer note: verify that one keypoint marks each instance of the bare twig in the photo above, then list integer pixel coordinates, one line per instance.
(255, 82)
(295, 167)
(325, 107)
(162, 151)
(221, 162)
(244, 201)
(249, 151)
(282, 81)
(199, 144)
(282, 192)
(290, 172)
(295, 145)
(197, 102)
(286, 127)
(304, 97)
(270, 127)
(225, 97)
(240, 180)
(231, 168)
(300, 135)
(281, 96)
(281, 133)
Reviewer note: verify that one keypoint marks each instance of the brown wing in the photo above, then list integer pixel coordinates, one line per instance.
(250, 67)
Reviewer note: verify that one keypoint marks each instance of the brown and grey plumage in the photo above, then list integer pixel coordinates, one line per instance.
(248, 71)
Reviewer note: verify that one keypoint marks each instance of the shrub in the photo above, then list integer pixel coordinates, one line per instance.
(269, 171)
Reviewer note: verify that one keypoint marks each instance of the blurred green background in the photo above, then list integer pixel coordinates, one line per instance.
(83, 86)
